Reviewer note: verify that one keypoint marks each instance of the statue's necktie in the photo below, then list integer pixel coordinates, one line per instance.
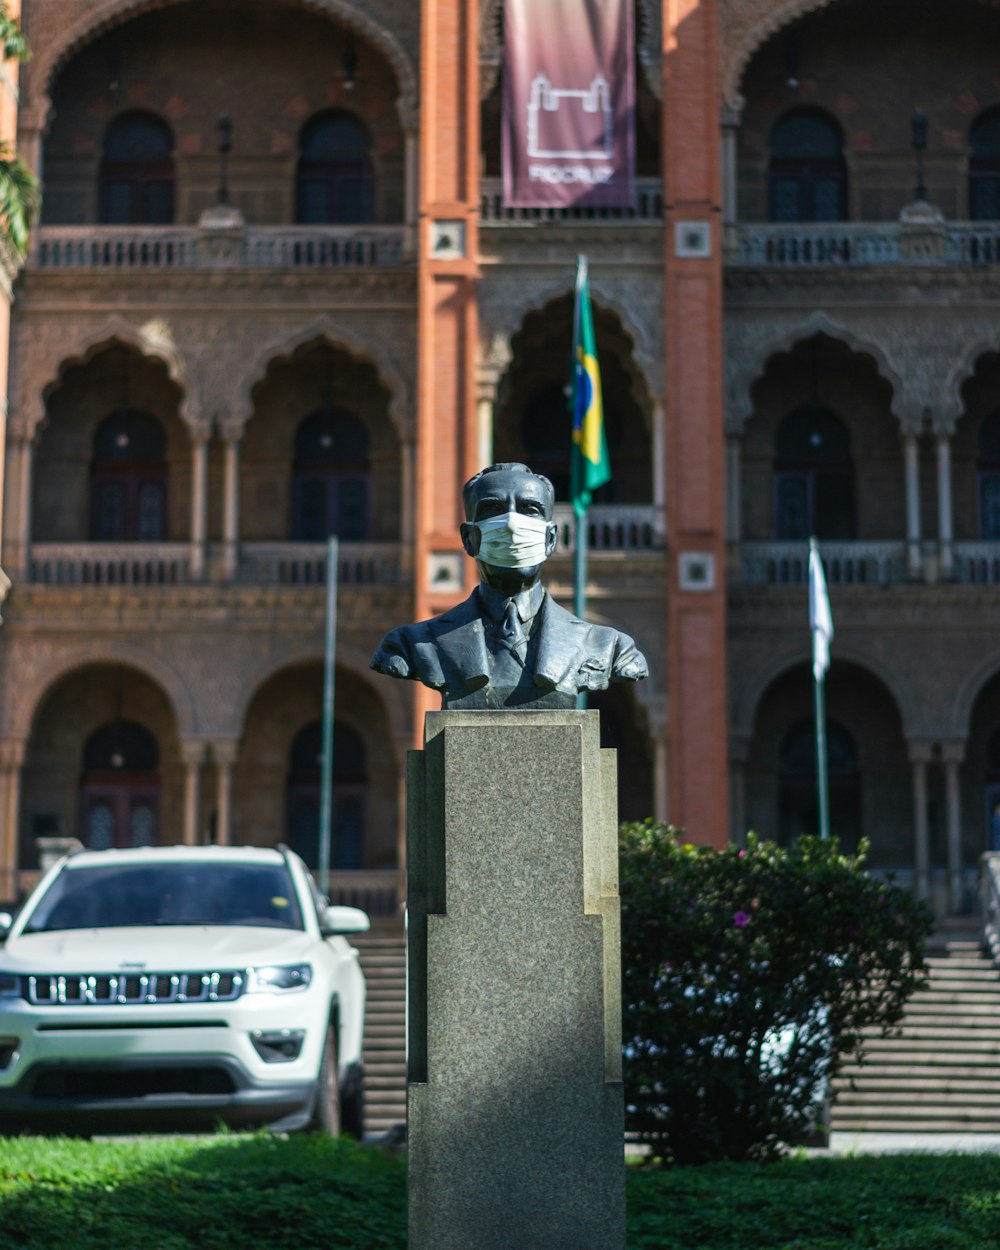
(512, 632)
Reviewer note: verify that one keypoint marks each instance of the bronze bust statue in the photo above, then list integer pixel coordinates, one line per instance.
(509, 644)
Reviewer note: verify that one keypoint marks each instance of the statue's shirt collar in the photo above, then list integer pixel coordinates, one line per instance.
(494, 604)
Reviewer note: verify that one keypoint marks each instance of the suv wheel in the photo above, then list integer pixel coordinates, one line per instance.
(325, 1116)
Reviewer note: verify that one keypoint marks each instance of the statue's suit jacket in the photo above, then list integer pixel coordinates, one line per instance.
(450, 652)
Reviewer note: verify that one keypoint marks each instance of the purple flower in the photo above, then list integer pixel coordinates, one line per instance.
(741, 919)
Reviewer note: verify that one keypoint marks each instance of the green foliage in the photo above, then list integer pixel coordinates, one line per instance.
(748, 977)
(20, 193)
(15, 46)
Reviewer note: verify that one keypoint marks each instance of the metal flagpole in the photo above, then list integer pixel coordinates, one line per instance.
(821, 625)
(329, 661)
(580, 529)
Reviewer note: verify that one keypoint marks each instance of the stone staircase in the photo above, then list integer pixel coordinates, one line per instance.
(942, 1073)
(383, 958)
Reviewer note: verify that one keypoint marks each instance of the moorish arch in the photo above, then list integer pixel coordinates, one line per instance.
(967, 693)
(324, 331)
(747, 364)
(746, 699)
(152, 341)
(104, 15)
(962, 370)
(35, 687)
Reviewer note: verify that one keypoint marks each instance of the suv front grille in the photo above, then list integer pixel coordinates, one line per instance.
(133, 989)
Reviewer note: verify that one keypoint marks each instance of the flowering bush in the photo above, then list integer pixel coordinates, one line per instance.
(748, 977)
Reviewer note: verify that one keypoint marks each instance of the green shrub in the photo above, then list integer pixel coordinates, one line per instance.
(748, 977)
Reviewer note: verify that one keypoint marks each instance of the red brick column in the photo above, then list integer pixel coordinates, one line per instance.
(696, 625)
(447, 322)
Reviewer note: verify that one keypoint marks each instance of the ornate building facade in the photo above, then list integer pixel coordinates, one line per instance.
(233, 337)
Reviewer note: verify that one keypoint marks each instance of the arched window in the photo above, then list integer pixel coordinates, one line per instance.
(813, 477)
(350, 790)
(984, 167)
(137, 171)
(120, 787)
(128, 479)
(988, 474)
(807, 176)
(332, 478)
(335, 181)
(798, 807)
(546, 434)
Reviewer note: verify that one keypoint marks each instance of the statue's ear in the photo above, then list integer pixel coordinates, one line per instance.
(470, 538)
(551, 538)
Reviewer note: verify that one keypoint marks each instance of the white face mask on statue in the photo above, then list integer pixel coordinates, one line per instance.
(512, 541)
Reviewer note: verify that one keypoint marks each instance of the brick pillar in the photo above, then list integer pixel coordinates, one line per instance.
(447, 323)
(696, 622)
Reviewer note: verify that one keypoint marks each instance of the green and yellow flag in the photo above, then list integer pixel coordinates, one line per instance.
(591, 467)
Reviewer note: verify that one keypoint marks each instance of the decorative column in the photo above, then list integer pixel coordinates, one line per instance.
(17, 450)
(411, 183)
(739, 753)
(696, 601)
(946, 550)
(911, 466)
(12, 754)
(920, 754)
(656, 711)
(952, 754)
(486, 385)
(193, 755)
(730, 133)
(199, 496)
(230, 502)
(224, 752)
(408, 451)
(659, 470)
(734, 500)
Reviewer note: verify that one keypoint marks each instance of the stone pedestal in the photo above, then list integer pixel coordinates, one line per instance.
(515, 1105)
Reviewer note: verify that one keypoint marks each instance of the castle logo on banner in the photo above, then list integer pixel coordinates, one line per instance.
(569, 96)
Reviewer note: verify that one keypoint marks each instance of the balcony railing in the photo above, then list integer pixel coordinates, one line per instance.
(648, 207)
(615, 527)
(846, 564)
(379, 893)
(163, 564)
(856, 244)
(977, 563)
(110, 564)
(192, 247)
(304, 564)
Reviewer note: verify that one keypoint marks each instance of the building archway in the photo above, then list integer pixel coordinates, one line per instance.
(103, 762)
(532, 422)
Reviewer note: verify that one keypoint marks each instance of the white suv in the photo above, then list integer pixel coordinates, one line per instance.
(180, 987)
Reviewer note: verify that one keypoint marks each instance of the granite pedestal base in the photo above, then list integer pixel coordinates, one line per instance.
(515, 1106)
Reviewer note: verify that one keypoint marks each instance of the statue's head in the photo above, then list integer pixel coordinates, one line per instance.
(508, 528)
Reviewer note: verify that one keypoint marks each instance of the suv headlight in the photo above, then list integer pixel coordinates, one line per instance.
(10, 985)
(274, 979)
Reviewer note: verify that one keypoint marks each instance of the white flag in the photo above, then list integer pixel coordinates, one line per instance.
(820, 620)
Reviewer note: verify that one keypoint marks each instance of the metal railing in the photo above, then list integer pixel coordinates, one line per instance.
(191, 247)
(615, 527)
(379, 893)
(846, 564)
(989, 896)
(304, 564)
(648, 207)
(109, 564)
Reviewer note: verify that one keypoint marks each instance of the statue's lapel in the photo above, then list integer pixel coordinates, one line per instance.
(562, 646)
(461, 643)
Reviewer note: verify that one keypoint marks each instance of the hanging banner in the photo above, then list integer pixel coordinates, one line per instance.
(568, 103)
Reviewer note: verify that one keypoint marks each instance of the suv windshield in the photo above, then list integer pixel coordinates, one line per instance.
(193, 893)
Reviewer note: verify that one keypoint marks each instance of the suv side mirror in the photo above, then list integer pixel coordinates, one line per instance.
(343, 920)
(6, 920)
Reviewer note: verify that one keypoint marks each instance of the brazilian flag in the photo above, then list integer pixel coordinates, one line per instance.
(590, 467)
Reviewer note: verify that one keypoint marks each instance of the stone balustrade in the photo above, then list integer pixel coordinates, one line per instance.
(379, 893)
(856, 244)
(109, 564)
(304, 564)
(977, 563)
(854, 563)
(193, 247)
(615, 527)
(648, 207)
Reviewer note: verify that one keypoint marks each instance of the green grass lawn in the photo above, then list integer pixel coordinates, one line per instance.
(241, 1192)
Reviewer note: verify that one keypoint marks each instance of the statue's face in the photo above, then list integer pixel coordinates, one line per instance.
(495, 496)
(510, 490)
